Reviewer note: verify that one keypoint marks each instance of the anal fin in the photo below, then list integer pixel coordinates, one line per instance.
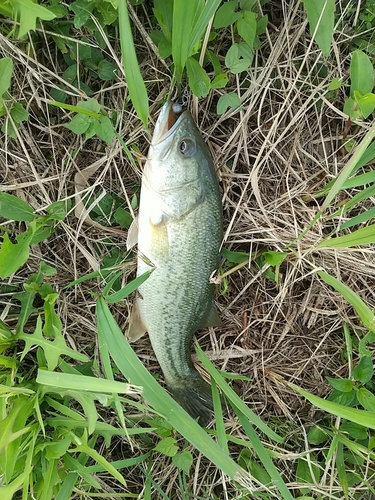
(136, 328)
(211, 317)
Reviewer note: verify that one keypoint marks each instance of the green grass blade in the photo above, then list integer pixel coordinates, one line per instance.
(363, 236)
(350, 166)
(364, 194)
(367, 316)
(360, 180)
(220, 426)
(264, 456)
(361, 417)
(183, 18)
(359, 219)
(198, 29)
(234, 399)
(134, 80)
(83, 383)
(127, 289)
(134, 371)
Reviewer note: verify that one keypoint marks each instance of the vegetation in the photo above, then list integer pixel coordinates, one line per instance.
(283, 92)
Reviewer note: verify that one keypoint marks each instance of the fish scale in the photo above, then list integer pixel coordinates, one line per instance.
(179, 236)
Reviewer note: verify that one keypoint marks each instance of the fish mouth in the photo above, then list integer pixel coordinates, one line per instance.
(167, 123)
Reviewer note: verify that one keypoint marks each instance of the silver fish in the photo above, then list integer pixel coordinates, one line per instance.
(179, 232)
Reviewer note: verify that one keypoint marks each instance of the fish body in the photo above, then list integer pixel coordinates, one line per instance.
(179, 235)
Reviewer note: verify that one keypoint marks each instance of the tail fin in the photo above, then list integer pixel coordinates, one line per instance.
(195, 396)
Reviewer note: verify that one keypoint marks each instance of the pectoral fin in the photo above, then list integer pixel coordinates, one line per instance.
(211, 317)
(132, 238)
(136, 327)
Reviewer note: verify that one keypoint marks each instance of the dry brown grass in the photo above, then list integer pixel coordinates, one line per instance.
(284, 144)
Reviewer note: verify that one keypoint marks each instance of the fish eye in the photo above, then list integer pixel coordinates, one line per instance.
(186, 147)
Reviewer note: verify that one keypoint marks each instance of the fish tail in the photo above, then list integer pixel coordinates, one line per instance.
(195, 396)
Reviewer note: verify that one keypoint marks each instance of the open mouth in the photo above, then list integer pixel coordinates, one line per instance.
(170, 116)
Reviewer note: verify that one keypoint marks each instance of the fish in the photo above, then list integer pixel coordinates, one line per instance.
(179, 230)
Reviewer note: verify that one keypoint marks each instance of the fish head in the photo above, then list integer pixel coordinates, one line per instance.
(176, 162)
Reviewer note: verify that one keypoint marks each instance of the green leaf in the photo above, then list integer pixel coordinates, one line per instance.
(27, 309)
(365, 313)
(262, 25)
(235, 257)
(27, 12)
(212, 57)
(274, 258)
(363, 236)
(355, 431)
(234, 399)
(343, 398)
(167, 446)
(90, 107)
(316, 436)
(321, 16)
(163, 10)
(249, 4)
(183, 461)
(361, 73)
(247, 27)
(108, 10)
(341, 384)
(366, 103)
(236, 61)
(335, 84)
(366, 399)
(227, 15)
(127, 289)
(264, 456)
(255, 469)
(14, 255)
(12, 428)
(52, 323)
(79, 124)
(19, 113)
(226, 101)
(220, 81)
(307, 472)
(104, 129)
(6, 69)
(82, 10)
(70, 381)
(184, 14)
(13, 208)
(165, 48)
(199, 81)
(364, 371)
(57, 210)
(134, 80)
(106, 70)
(201, 23)
(53, 349)
(123, 217)
(359, 219)
(361, 417)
